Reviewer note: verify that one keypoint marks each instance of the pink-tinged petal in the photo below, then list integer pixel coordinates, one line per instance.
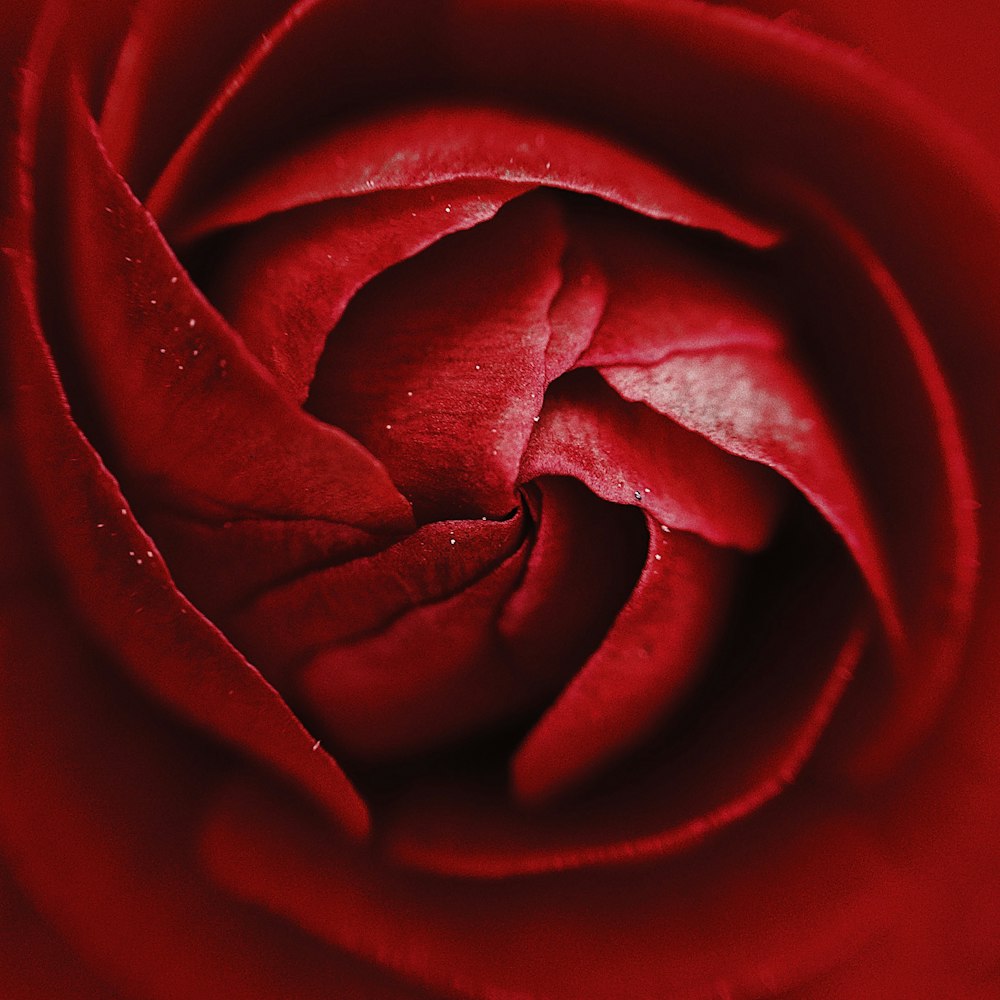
(648, 661)
(119, 584)
(438, 367)
(585, 559)
(291, 621)
(759, 406)
(756, 911)
(184, 401)
(435, 675)
(667, 294)
(285, 282)
(628, 453)
(437, 144)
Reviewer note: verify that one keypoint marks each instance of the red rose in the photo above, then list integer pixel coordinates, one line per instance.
(489, 509)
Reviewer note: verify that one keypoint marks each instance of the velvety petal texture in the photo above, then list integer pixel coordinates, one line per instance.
(490, 507)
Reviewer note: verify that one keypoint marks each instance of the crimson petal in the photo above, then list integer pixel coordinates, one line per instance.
(758, 405)
(654, 651)
(440, 372)
(87, 524)
(415, 149)
(434, 675)
(285, 282)
(628, 453)
(182, 382)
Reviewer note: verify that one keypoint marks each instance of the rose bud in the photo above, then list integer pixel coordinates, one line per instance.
(490, 508)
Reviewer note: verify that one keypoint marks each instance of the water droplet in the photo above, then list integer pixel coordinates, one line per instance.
(664, 529)
(149, 553)
(479, 368)
(173, 280)
(152, 302)
(409, 392)
(536, 419)
(452, 540)
(123, 510)
(138, 562)
(447, 208)
(657, 557)
(637, 495)
(163, 350)
(100, 524)
(192, 321)
(131, 553)
(646, 490)
(316, 745)
(180, 368)
(388, 427)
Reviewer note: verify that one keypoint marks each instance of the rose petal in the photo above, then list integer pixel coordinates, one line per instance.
(167, 647)
(181, 383)
(917, 465)
(667, 293)
(647, 662)
(758, 405)
(152, 98)
(416, 149)
(745, 733)
(648, 932)
(440, 372)
(285, 282)
(434, 675)
(291, 621)
(628, 453)
(100, 799)
(585, 559)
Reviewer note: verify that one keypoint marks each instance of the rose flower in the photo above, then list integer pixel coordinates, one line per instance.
(491, 508)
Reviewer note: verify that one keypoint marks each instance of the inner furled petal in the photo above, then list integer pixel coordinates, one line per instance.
(187, 408)
(585, 560)
(630, 454)
(433, 145)
(652, 656)
(758, 404)
(670, 292)
(743, 732)
(437, 674)
(438, 366)
(292, 620)
(284, 282)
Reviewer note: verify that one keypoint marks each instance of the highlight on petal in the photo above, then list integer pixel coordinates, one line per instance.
(442, 144)
(759, 406)
(439, 366)
(650, 658)
(628, 453)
